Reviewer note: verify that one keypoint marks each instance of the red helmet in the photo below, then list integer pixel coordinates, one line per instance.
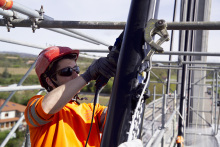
(50, 54)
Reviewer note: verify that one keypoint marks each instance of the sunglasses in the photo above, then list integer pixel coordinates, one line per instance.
(66, 72)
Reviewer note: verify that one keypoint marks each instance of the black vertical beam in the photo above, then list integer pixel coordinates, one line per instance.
(191, 48)
(171, 49)
(120, 106)
(187, 39)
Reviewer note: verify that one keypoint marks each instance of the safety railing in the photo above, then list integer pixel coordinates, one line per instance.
(159, 127)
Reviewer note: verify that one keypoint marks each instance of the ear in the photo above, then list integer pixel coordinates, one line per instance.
(49, 82)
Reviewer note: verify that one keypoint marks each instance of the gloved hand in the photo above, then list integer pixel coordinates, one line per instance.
(97, 68)
(105, 66)
(115, 50)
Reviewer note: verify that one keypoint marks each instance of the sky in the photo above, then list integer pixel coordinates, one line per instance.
(95, 10)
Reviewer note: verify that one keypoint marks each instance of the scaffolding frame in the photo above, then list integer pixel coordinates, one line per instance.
(49, 23)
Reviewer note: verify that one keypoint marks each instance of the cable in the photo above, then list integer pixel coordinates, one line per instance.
(100, 83)
(94, 103)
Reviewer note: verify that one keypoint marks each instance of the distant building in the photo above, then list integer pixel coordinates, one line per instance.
(10, 114)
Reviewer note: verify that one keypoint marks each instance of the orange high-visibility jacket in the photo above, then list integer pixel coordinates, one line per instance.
(67, 128)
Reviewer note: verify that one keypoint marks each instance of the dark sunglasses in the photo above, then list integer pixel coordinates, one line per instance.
(66, 72)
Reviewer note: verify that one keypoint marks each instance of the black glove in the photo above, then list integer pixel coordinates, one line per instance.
(91, 73)
(115, 50)
(97, 68)
(105, 66)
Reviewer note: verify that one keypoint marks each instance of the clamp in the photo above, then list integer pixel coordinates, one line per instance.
(154, 27)
(35, 21)
(8, 23)
(9, 19)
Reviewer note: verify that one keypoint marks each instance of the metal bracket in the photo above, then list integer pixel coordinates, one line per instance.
(34, 25)
(180, 60)
(154, 27)
(41, 12)
(8, 23)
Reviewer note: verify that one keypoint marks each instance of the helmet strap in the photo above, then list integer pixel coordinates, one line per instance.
(55, 84)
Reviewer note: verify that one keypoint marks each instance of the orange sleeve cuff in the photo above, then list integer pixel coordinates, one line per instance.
(41, 112)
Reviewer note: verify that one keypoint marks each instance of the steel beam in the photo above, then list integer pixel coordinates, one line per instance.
(188, 62)
(214, 25)
(19, 84)
(7, 40)
(189, 53)
(4, 142)
(35, 14)
(43, 47)
(120, 106)
(20, 88)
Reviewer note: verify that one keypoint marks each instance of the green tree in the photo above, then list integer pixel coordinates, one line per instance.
(5, 73)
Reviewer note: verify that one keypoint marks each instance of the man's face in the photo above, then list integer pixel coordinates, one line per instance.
(63, 64)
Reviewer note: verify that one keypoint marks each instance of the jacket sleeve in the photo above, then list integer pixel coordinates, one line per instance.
(34, 114)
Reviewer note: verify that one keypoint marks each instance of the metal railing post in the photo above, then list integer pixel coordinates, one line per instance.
(164, 116)
(174, 118)
(20, 82)
(212, 105)
(153, 115)
(12, 131)
(216, 97)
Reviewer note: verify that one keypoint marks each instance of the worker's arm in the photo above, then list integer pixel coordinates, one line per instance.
(55, 100)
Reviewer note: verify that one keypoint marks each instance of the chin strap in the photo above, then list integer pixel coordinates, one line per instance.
(55, 84)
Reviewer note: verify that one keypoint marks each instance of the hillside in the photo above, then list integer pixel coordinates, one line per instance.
(22, 55)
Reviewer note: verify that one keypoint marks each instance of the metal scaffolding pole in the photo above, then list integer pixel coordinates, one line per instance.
(88, 37)
(182, 77)
(19, 88)
(12, 131)
(213, 25)
(43, 47)
(120, 106)
(188, 62)
(171, 49)
(70, 34)
(7, 40)
(34, 15)
(10, 14)
(188, 53)
(19, 83)
(216, 101)
(7, 13)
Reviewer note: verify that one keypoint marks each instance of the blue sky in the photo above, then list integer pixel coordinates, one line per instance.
(95, 10)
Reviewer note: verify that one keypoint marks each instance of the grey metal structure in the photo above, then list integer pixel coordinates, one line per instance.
(161, 115)
(109, 25)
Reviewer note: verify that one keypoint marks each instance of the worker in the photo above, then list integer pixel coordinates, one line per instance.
(58, 119)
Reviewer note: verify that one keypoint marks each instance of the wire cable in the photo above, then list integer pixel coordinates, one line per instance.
(93, 112)
(100, 83)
